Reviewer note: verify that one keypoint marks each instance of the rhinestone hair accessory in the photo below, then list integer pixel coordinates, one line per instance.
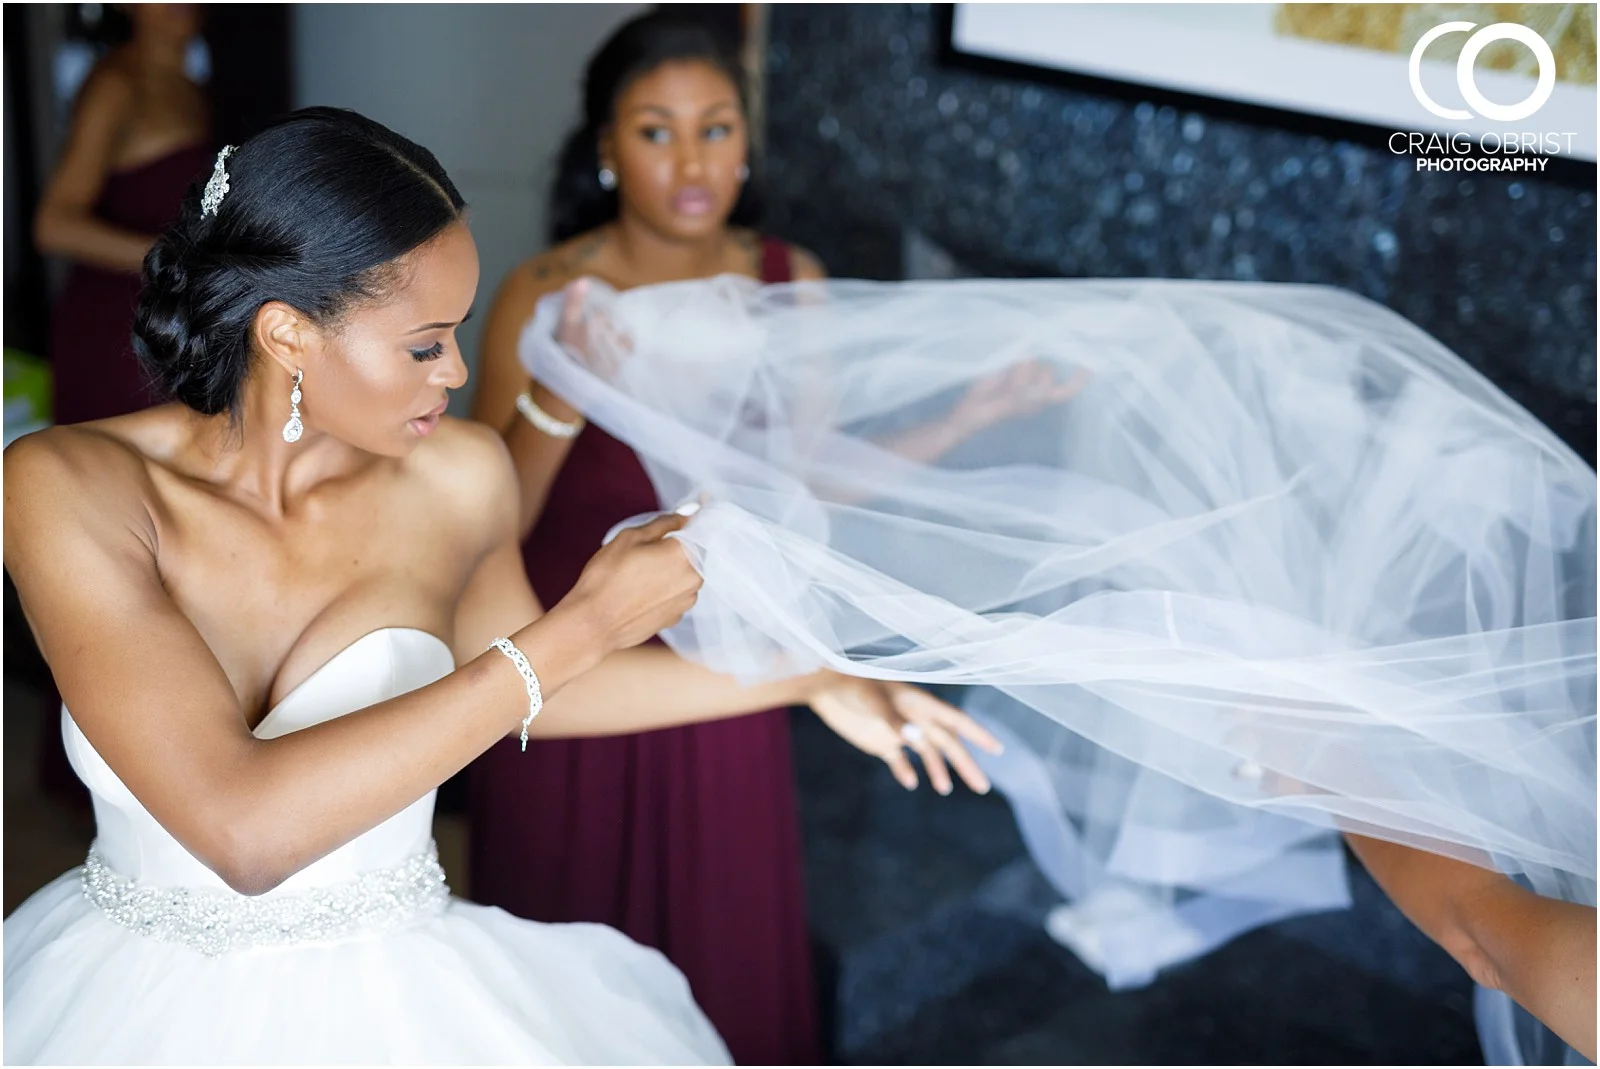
(529, 680)
(217, 186)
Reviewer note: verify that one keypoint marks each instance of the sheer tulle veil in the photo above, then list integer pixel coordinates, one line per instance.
(1283, 565)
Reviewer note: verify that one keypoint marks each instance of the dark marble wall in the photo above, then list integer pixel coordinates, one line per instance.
(869, 135)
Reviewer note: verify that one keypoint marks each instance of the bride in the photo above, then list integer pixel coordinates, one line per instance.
(284, 610)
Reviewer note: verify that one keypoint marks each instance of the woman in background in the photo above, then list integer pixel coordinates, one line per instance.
(687, 838)
(140, 135)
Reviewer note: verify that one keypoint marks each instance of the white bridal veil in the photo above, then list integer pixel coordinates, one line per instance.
(1281, 565)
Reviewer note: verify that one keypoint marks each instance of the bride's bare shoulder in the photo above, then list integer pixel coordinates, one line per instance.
(88, 475)
(106, 456)
(467, 468)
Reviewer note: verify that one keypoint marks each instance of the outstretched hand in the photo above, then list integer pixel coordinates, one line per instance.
(1016, 391)
(886, 719)
(587, 332)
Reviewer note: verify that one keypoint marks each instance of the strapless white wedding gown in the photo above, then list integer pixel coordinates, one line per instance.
(143, 955)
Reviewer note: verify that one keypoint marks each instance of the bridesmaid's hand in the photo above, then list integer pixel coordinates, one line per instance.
(884, 719)
(1017, 391)
(589, 334)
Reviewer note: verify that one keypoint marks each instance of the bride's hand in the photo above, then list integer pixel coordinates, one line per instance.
(640, 582)
(883, 719)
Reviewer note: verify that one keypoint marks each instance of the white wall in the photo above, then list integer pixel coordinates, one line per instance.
(491, 89)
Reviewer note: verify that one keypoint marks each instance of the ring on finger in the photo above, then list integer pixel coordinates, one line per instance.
(912, 733)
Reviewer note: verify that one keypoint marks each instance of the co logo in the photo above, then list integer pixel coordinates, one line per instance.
(1465, 74)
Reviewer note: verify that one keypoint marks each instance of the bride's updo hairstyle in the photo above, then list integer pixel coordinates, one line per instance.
(318, 207)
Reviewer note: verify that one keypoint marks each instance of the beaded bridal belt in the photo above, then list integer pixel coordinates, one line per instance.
(220, 922)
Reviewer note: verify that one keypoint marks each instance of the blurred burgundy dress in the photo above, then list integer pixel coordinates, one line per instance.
(96, 373)
(686, 838)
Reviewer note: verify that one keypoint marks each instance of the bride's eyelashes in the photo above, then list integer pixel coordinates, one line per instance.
(436, 350)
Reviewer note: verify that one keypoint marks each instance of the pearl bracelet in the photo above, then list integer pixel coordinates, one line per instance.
(529, 680)
(544, 421)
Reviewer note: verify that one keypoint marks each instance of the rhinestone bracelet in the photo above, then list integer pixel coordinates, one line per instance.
(216, 921)
(529, 680)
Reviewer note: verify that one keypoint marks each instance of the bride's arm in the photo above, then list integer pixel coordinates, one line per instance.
(649, 687)
(632, 690)
(146, 690)
(643, 688)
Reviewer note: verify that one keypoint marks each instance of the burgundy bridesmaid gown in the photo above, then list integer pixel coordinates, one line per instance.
(686, 838)
(91, 330)
(95, 373)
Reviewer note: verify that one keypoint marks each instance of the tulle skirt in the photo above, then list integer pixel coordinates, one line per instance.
(469, 985)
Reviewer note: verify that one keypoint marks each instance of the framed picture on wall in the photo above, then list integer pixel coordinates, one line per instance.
(1345, 67)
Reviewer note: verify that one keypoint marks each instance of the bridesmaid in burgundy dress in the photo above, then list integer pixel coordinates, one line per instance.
(139, 137)
(687, 839)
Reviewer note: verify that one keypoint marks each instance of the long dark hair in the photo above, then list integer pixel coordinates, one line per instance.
(319, 206)
(577, 201)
